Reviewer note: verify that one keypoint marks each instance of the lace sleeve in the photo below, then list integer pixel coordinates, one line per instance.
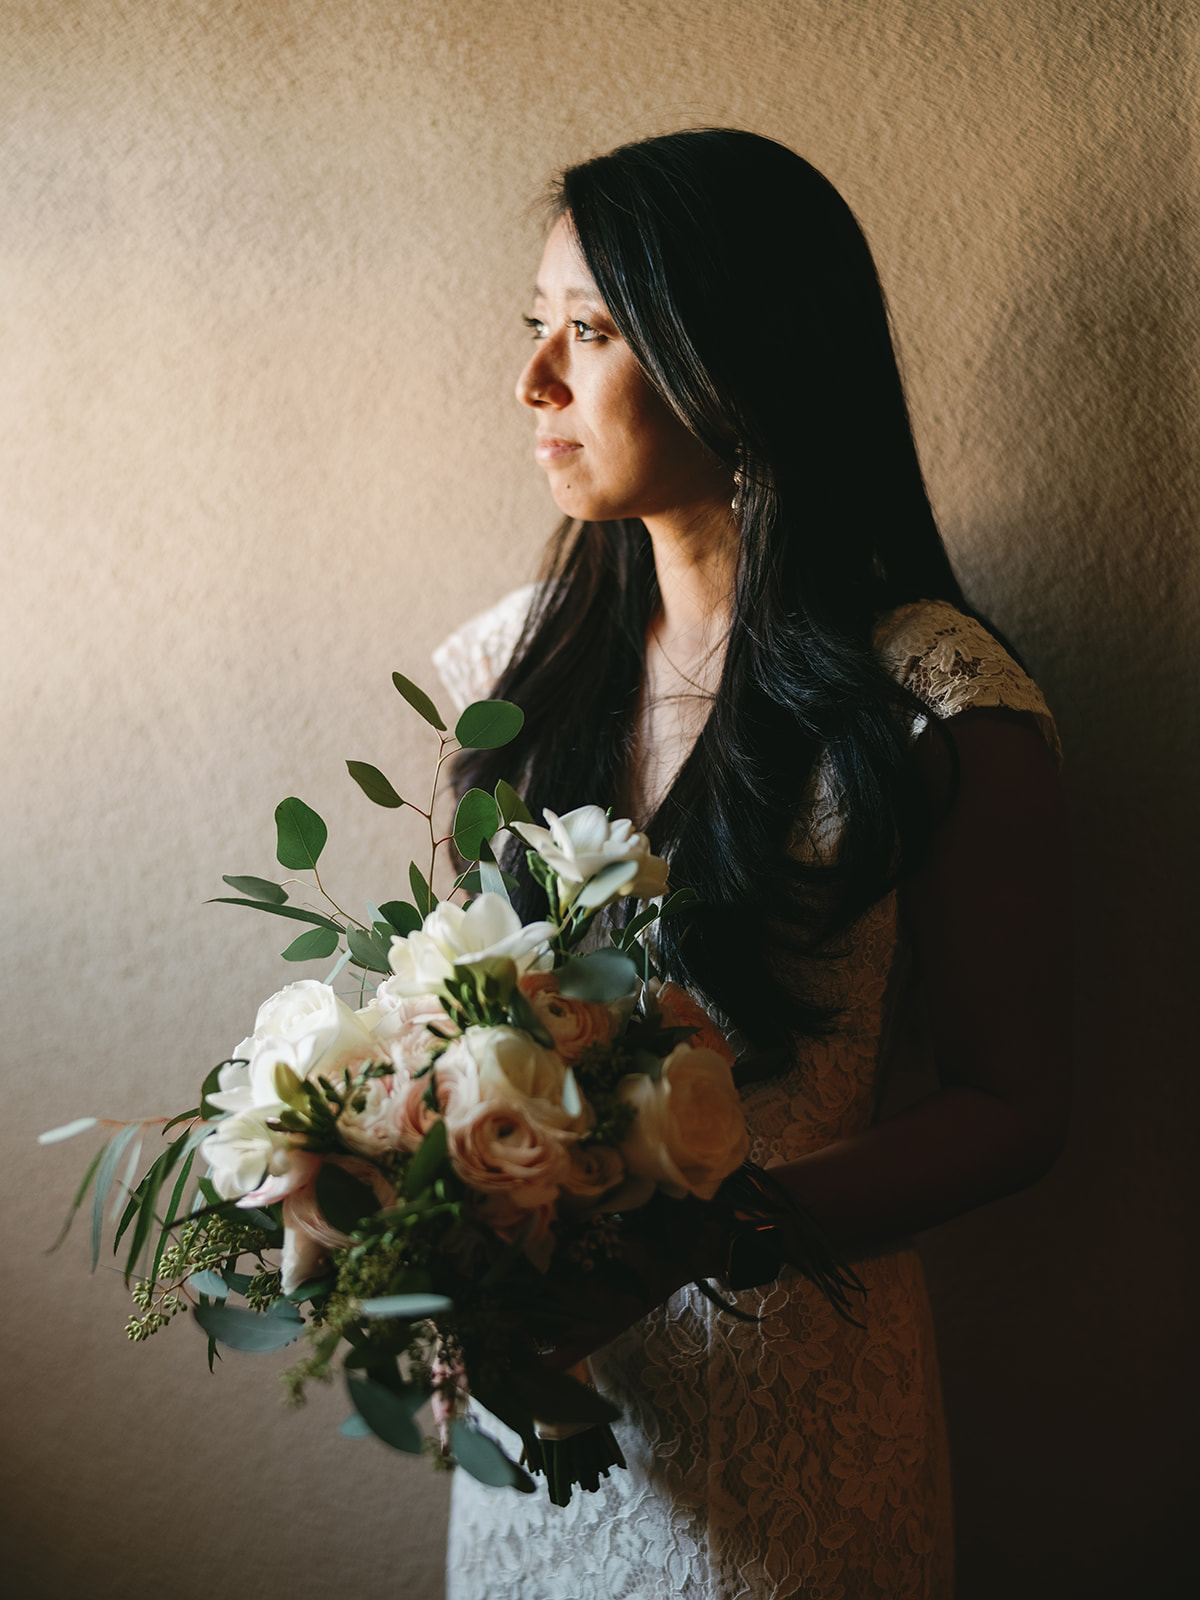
(474, 656)
(952, 662)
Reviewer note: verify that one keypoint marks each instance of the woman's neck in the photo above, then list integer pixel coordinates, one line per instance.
(695, 558)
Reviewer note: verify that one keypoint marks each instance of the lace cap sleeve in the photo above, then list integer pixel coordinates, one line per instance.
(952, 662)
(474, 656)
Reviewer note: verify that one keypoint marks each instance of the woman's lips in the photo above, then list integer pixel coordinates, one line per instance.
(547, 450)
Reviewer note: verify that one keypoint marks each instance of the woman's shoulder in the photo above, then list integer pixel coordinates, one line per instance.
(474, 655)
(952, 663)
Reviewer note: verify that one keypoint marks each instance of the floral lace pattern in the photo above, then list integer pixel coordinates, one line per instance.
(799, 1456)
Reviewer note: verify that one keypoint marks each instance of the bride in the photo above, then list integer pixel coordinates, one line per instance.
(748, 638)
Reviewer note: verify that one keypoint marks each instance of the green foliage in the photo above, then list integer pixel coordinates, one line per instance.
(488, 724)
(301, 835)
(424, 896)
(68, 1130)
(369, 949)
(603, 976)
(403, 917)
(419, 701)
(476, 820)
(388, 1415)
(247, 1330)
(257, 888)
(312, 946)
(511, 807)
(107, 1171)
(374, 785)
(296, 913)
(428, 1161)
(483, 1458)
(410, 1307)
(491, 879)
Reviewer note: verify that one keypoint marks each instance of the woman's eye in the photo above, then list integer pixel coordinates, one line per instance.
(585, 333)
(536, 326)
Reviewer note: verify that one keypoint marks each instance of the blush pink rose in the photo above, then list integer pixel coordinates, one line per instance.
(679, 1010)
(689, 1132)
(497, 1146)
(574, 1025)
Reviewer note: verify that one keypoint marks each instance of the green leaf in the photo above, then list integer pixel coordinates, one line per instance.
(423, 895)
(603, 976)
(312, 1290)
(257, 888)
(312, 946)
(483, 1458)
(630, 931)
(487, 724)
(470, 883)
(374, 785)
(679, 901)
(68, 1130)
(209, 1283)
(342, 1198)
(355, 1428)
(368, 950)
(512, 807)
(404, 917)
(419, 701)
(389, 1416)
(104, 1177)
(294, 912)
(145, 1197)
(246, 1330)
(285, 1308)
(79, 1196)
(301, 835)
(172, 1213)
(423, 1168)
(475, 821)
(409, 1306)
(491, 879)
(607, 883)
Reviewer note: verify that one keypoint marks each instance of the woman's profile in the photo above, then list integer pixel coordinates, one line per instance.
(748, 638)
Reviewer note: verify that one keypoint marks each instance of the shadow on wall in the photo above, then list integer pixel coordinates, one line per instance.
(1065, 1339)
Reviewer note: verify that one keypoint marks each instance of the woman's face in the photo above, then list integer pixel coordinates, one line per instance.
(610, 445)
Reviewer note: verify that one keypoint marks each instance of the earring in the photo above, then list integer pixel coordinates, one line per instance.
(735, 505)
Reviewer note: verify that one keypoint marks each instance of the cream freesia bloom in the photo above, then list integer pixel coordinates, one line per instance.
(487, 930)
(583, 843)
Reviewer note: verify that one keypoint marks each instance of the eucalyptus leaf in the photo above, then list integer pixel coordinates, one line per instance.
(424, 1166)
(423, 895)
(312, 946)
(475, 821)
(608, 883)
(68, 1130)
(368, 949)
(285, 1309)
(483, 1458)
(512, 807)
(312, 1290)
(257, 888)
(603, 976)
(419, 701)
(80, 1194)
(491, 879)
(210, 1283)
(246, 1330)
(488, 724)
(104, 1177)
(403, 916)
(374, 785)
(294, 912)
(469, 882)
(301, 835)
(388, 1415)
(355, 1428)
(408, 1306)
(343, 1200)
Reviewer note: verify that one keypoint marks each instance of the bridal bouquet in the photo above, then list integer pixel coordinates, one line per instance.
(414, 1165)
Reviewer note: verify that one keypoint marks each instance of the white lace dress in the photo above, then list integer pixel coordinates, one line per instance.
(798, 1456)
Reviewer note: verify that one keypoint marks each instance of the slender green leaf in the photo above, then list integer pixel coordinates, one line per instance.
(408, 1306)
(257, 888)
(209, 1283)
(312, 1290)
(151, 1187)
(301, 835)
(211, 1084)
(483, 1458)
(312, 946)
(295, 912)
(113, 1152)
(630, 931)
(679, 901)
(343, 1199)
(246, 1330)
(68, 1130)
(374, 785)
(404, 917)
(469, 882)
(368, 950)
(608, 882)
(476, 820)
(419, 701)
(389, 1416)
(424, 896)
(512, 807)
(425, 1165)
(491, 879)
(355, 1428)
(603, 976)
(82, 1190)
(172, 1213)
(488, 724)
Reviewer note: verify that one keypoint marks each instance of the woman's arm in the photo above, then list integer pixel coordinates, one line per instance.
(987, 911)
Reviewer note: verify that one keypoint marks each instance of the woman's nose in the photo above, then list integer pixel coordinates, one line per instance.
(541, 384)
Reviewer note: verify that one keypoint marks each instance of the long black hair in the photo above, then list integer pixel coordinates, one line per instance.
(742, 283)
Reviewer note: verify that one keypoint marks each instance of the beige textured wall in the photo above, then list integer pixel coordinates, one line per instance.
(262, 270)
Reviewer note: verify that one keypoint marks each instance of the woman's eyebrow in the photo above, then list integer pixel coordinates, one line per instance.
(582, 294)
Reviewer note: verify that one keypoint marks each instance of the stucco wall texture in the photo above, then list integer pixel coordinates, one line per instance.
(263, 266)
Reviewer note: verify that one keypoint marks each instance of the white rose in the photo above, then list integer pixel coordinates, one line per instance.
(265, 1082)
(407, 1029)
(489, 929)
(689, 1132)
(510, 1066)
(242, 1150)
(585, 842)
(325, 1032)
(371, 1121)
